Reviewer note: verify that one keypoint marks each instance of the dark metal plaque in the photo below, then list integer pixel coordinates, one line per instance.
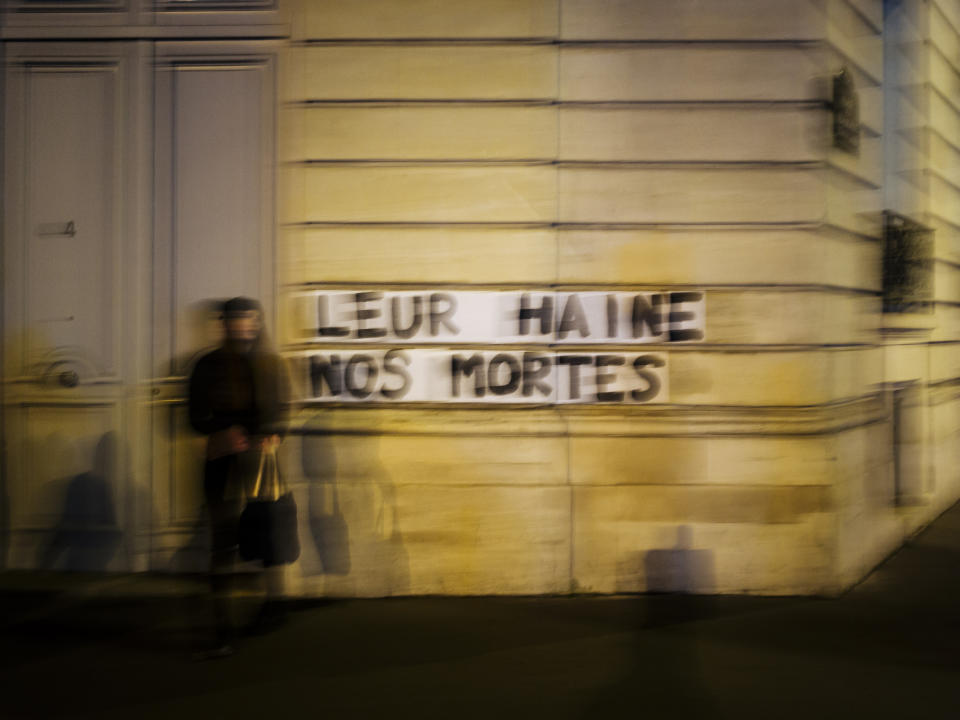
(846, 113)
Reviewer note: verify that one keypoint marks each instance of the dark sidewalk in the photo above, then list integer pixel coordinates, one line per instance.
(120, 647)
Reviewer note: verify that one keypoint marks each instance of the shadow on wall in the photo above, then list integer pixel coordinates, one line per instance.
(201, 328)
(665, 675)
(680, 569)
(87, 536)
(354, 538)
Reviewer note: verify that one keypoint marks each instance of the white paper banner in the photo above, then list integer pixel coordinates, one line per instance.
(487, 376)
(497, 317)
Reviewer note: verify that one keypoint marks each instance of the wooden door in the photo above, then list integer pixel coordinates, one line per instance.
(73, 258)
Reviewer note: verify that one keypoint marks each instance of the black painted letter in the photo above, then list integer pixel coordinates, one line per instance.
(329, 372)
(573, 318)
(442, 316)
(365, 313)
(513, 379)
(680, 316)
(536, 366)
(323, 320)
(612, 316)
(647, 314)
(370, 376)
(527, 313)
(640, 364)
(474, 365)
(574, 361)
(605, 378)
(416, 311)
(399, 369)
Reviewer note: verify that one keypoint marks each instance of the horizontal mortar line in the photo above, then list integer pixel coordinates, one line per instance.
(874, 34)
(419, 224)
(864, 17)
(479, 224)
(107, 33)
(733, 104)
(860, 235)
(933, 130)
(953, 224)
(849, 233)
(774, 43)
(933, 172)
(947, 22)
(420, 162)
(872, 80)
(421, 102)
(915, 177)
(942, 396)
(944, 382)
(559, 423)
(854, 175)
(671, 410)
(584, 484)
(569, 412)
(937, 4)
(948, 262)
(914, 343)
(511, 41)
(575, 286)
(565, 163)
(950, 102)
(951, 67)
(565, 418)
(745, 164)
(599, 347)
(625, 104)
(826, 429)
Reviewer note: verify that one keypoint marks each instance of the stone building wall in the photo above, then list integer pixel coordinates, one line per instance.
(604, 146)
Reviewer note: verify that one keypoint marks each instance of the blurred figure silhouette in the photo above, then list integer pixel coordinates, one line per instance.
(666, 675)
(86, 537)
(680, 569)
(237, 397)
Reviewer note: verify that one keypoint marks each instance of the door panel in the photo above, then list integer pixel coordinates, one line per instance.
(217, 148)
(71, 178)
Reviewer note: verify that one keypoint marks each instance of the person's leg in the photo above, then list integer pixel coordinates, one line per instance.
(223, 547)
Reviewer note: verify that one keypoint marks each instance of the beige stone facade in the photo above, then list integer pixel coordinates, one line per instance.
(542, 146)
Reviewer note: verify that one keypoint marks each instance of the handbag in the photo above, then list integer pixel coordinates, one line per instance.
(268, 524)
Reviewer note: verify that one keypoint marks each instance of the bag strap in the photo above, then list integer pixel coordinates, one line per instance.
(256, 487)
(278, 484)
(281, 483)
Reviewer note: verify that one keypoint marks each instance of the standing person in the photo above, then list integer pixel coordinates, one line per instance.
(237, 397)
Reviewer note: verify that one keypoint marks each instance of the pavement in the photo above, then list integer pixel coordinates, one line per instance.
(109, 646)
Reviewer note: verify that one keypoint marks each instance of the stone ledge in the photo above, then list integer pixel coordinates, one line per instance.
(661, 420)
